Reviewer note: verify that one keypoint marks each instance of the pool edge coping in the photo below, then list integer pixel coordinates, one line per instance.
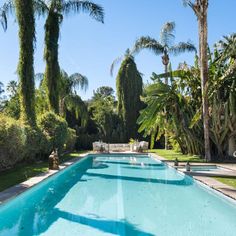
(226, 190)
(15, 190)
(12, 192)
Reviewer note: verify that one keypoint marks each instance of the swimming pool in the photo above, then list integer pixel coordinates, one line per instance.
(118, 195)
(207, 168)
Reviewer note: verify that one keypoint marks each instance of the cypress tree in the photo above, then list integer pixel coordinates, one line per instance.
(129, 89)
(26, 22)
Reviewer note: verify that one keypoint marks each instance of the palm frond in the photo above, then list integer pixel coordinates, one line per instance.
(167, 36)
(114, 63)
(79, 81)
(7, 8)
(94, 10)
(41, 7)
(182, 47)
(148, 43)
(74, 103)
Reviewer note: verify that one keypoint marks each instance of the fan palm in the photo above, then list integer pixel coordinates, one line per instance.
(165, 46)
(200, 8)
(55, 10)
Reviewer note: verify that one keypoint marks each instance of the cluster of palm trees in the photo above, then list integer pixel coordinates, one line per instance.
(173, 95)
(54, 12)
(199, 102)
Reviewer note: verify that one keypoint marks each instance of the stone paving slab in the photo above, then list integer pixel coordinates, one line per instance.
(20, 188)
(215, 184)
(205, 177)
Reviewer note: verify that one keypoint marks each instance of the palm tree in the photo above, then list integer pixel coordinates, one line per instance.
(26, 22)
(200, 8)
(55, 10)
(164, 47)
(68, 98)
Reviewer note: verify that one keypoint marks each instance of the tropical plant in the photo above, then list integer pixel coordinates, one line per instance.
(3, 14)
(180, 110)
(129, 88)
(184, 107)
(55, 10)
(200, 8)
(165, 47)
(68, 98)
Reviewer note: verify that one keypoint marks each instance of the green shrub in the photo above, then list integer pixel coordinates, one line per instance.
(36, 144)
(54, 128)
(70, 139)
(12, 142)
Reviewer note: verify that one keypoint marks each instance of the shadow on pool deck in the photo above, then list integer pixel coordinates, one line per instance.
(185, 181)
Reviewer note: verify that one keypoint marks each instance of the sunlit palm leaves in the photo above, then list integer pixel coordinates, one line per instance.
(166, 44)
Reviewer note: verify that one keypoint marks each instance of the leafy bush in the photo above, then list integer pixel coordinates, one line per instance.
(36, 144)
(12, 142)
(55, 129)
(70, 139)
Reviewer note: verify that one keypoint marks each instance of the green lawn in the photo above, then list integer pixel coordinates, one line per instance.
(228, 181)
(25, 171)
(172, 155)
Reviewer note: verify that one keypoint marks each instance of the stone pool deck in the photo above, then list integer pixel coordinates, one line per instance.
(20, 188)
(229, 170)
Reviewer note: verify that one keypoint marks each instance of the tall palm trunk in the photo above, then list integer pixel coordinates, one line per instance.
(203, 32)
(165, 61)
(25, 18)
(52, 71)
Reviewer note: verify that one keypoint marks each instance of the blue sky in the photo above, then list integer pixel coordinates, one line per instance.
(89, 47)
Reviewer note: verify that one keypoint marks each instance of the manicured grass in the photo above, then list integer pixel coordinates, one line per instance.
(172, 155)
(25, 171)
(228, 181)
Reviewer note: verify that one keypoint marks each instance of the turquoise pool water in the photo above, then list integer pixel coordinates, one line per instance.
(119, 195)
(207, 168)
